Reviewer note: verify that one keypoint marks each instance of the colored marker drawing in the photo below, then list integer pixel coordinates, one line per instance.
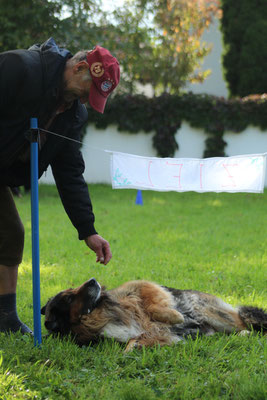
(242, 173)
(119, 179)
(257, 161)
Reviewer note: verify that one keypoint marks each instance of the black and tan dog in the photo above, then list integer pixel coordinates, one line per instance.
(143, 313)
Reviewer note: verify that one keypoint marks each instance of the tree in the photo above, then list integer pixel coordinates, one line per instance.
(165, 44)
(244, 31)
(156, 41)
(26, 22)
(70, 22)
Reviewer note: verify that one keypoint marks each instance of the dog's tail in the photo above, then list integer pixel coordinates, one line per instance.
(254, 318)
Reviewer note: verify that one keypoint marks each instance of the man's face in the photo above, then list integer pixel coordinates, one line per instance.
(76, 89)
(77, 85)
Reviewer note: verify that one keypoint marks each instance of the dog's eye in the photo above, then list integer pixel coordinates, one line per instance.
(69, 299)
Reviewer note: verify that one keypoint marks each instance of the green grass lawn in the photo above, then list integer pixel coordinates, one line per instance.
(211, 242)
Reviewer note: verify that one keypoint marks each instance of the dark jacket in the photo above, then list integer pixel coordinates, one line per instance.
(29, 85)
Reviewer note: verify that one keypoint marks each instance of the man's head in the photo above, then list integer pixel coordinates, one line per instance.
(91, 76)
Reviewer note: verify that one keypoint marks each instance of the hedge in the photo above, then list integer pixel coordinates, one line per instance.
(164, 115)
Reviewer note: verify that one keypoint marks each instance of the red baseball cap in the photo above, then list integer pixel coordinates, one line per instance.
(105, 73)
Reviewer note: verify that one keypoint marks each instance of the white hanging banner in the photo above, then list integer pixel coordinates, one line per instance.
(244, 173)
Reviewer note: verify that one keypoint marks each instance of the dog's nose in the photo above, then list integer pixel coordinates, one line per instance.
(92, 282)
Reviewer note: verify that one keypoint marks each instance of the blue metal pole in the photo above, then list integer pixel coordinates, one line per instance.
(35, 234)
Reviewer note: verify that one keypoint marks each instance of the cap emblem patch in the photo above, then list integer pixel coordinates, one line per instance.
(97, 69)
(106, 86)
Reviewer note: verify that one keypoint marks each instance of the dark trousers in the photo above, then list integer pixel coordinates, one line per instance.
(11, 230)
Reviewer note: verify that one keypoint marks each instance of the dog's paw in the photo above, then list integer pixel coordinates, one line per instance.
(174, 317)
(132, 344)
(244, 333)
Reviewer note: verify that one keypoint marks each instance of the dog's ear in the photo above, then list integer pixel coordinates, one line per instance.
(43, 309)
(57, 311)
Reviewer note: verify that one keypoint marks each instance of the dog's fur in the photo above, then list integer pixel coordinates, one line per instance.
(143, 313)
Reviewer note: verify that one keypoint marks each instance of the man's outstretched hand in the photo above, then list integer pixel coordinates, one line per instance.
(101, 247)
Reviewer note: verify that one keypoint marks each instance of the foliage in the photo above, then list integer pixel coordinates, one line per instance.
(156, 42)
(121, 33)
(253, 56)
(78, 28)
(26, 22)
(34, 21)
(216, 243)
(170, 52)
(164, 115)
(244, 31)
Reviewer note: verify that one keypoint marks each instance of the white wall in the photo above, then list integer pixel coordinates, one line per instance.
(191, 144)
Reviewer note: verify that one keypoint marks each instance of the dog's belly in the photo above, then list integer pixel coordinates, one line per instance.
(120, 332)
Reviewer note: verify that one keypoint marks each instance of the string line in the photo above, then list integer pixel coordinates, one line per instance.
(72, 140)
(85, 145)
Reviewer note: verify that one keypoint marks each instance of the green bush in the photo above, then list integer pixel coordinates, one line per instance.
(253, 56)
(244, 31)
(164, 115)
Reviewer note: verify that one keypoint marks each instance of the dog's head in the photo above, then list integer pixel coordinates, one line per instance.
(66, 309)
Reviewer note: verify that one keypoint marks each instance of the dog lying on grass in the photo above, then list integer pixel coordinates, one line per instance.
(142, 313)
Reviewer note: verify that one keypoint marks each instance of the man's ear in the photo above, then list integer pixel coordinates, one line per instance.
(81, 66)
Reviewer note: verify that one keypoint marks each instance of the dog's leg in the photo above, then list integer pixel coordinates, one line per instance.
(146, 340)
(159, 304)
(165, 315)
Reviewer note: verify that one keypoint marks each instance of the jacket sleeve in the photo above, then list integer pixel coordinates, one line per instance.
(68, 168)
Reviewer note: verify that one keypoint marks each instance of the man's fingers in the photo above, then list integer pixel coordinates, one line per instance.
(101, 247)
(99, 253)
(104, 255)
(107, 254)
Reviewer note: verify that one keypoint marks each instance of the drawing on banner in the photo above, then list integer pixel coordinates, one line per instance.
(118, 179)
(219, 174)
